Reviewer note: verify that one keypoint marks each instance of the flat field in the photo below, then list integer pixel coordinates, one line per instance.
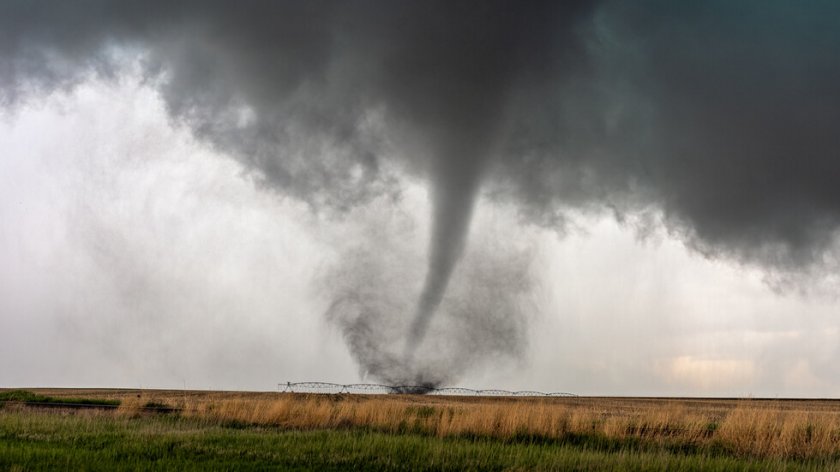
(236, 430)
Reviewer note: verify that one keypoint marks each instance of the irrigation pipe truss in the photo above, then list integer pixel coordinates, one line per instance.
(327, 387)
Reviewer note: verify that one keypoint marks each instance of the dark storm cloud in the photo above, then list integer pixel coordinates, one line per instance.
(723, 115)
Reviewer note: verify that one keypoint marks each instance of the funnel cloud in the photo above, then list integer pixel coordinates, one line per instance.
(723, 117)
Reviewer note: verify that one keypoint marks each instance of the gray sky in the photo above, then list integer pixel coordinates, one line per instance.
(137, 256)
(602, 197)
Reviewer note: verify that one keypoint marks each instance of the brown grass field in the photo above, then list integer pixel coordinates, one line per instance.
(784, 429)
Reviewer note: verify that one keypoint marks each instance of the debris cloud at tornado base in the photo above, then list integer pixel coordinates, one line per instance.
(721, 117)
(482, 322)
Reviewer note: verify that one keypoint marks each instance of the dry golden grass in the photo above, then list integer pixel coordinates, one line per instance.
(763, 428)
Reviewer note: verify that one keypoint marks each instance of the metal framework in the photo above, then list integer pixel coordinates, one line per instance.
(366, 388)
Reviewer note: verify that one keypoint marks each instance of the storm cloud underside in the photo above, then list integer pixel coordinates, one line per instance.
(723, 116)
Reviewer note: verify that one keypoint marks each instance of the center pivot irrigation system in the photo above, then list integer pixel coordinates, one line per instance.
(364, 388)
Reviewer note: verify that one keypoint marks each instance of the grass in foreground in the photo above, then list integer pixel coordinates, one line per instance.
(85, 440)
(799, 430)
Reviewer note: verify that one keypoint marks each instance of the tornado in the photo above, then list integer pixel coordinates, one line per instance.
(453, 87)
(453, 199)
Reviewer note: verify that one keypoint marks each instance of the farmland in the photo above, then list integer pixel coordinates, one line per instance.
(223, 430)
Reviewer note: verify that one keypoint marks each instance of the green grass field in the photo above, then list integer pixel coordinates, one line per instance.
(32, 439)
